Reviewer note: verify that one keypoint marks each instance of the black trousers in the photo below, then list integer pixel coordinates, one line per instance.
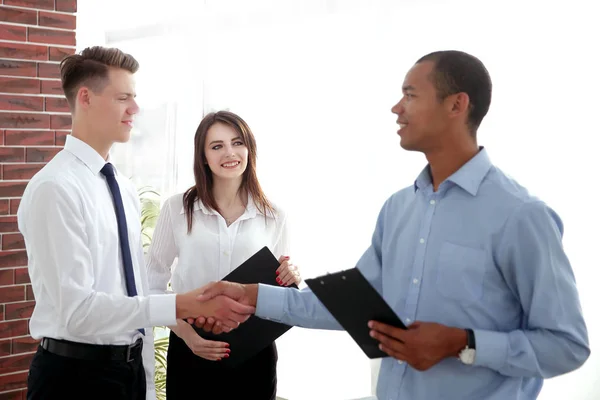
(190, 377)
(53, 377)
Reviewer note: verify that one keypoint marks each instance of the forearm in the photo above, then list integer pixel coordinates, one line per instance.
(536, 353)
(99, 313)
(182, 329)
(294, 307)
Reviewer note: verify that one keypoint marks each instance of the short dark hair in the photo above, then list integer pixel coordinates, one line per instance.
(90, 68)
(458, 72)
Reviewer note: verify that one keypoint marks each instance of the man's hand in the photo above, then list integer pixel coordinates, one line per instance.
(422, 345)
(229, 312)
(244, 294)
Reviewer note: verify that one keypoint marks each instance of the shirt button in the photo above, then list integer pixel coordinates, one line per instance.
(421, 240)
(407, 320)
(415, 281)
(400, 362)
(432, 202)
(226, 253)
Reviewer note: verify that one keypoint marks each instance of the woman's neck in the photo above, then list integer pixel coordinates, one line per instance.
(229, 194)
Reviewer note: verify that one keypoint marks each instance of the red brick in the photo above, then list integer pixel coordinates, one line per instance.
(8, 224)
(18, 16)
(20, 310)
(21, 276)
(13, 32)
(7, 276)
(1, 312)
(12, 154)
(21, 103)
(24, 120)
(1, 137)
(29, 138)
(66, 5)
(58, 53)
(14, 395)
(57, 104)
(24, 345)
(56, 20)
(15, 363)
(13, 172)
(14, 206)
(10, 259)
(13, 241)
(51, 36)
(4, 207)
(29, 293)
(19, 85)
(23, 51)
(17, 68)
(61, 137)
(12, 189)
(5, 348)
(48, 70)
(9, 294)
(40, 154)
(60, 121)
(45, 4)
(13, 381)
(51, 86)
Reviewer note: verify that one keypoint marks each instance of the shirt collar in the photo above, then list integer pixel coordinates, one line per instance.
(85, 153)
(469, 176)
(251, 209)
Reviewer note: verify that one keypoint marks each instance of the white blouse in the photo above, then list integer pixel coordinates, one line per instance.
(212, 249)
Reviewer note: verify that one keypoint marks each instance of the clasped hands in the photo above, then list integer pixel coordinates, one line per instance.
(223, 306)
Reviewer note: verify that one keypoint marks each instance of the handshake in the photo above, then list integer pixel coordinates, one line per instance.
(219, 306)
(222, 306)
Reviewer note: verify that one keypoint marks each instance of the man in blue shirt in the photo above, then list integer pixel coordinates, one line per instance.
(470, 261)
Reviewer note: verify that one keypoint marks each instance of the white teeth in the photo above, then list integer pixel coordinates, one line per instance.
(402, 125)
(230, 164)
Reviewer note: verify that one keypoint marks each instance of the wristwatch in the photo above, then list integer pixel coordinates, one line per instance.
(467, 355)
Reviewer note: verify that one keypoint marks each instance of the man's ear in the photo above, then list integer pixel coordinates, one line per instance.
(83, 98)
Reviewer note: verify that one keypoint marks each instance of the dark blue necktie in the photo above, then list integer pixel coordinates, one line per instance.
(109, 172)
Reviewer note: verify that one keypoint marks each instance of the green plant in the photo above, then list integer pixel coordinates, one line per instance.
(150, 206)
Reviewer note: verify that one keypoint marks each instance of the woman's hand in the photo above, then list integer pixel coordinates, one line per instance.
(287, 273)
(207, 349)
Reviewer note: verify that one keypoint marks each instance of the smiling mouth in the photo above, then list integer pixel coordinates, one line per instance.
(231, 164)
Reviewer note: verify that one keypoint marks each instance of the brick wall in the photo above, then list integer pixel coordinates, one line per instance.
(34, 36)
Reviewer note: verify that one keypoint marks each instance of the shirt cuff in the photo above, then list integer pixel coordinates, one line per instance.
(270, 302)
(491, 349)
(162, 309)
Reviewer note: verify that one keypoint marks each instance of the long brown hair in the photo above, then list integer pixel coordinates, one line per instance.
(202, 190)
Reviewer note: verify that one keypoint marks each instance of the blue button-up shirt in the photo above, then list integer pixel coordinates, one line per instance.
(480, 253)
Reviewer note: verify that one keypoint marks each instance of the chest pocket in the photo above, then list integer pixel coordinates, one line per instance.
(461, 271)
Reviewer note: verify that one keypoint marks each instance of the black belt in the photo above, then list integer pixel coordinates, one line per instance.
(93, 352)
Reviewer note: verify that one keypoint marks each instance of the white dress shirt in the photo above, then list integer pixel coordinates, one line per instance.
(67, 218)
(212, 249)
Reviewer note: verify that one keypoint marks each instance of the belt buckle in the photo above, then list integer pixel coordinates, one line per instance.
(129, 354)
(132, 350)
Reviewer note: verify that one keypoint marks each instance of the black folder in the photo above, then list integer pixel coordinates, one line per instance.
(255, 334)
(351, 299)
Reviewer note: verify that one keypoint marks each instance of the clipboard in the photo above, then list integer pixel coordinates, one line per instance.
(255, 334)
(353, 302)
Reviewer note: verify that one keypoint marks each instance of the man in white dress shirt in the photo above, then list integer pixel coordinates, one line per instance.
(81, 222)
